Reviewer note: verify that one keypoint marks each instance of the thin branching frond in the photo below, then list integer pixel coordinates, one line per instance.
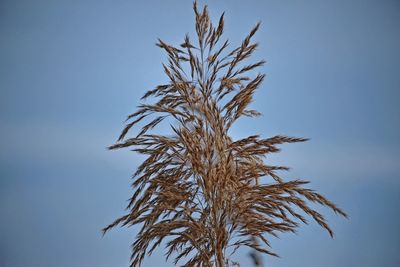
(199, 192)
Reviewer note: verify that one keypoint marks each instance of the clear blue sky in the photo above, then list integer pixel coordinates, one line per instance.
(70, 72)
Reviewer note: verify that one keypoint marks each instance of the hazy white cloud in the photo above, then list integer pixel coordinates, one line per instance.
(47, 144)
(340, 160)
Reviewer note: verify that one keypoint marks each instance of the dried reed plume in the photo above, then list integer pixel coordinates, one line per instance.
(201, 192)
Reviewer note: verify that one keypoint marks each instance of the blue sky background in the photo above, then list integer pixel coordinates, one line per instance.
(70, 72)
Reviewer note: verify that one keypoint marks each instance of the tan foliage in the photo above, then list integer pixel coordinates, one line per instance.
(201, 192)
